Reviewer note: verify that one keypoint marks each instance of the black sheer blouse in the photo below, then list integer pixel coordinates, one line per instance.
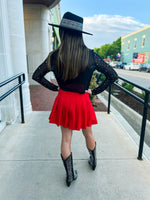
(82, 81)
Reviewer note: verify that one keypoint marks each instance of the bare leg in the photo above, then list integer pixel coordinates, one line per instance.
(88, 134)
(66, 142)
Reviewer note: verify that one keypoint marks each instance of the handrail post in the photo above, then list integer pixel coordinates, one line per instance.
(21, 101)
(109, 99)
(145, 109)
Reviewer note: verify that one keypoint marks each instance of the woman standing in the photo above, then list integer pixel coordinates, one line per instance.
(73, 65)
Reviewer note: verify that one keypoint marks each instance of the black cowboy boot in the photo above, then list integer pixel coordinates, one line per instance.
(71, 174)
(92, 160)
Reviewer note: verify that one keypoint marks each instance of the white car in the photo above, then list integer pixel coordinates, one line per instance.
(113, 64)
(132, 66)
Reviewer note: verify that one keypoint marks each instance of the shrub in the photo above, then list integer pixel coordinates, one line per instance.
(117, 81)
(128, 86)
(143, 94)
(93, 85)
(102, 78)
(124, 84)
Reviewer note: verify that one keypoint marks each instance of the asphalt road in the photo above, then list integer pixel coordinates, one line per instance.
(140, 78)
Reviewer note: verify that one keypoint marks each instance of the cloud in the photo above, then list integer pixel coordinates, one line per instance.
(108, 28)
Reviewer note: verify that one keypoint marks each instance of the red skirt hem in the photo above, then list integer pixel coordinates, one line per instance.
(74, 129)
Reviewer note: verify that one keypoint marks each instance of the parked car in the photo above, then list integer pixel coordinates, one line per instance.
(135, 67)
(148, 67)
(118, 64)
(113, 64)
(132, 66)
(122, 65)
(144, 67)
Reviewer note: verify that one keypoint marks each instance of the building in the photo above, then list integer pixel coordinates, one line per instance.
(25, 41)
(135, 47)
(40, 37)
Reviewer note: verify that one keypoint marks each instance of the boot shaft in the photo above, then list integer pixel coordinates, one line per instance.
(70, 173)
(92, 160)
(68, 164)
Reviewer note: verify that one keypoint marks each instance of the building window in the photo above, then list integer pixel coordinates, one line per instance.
(128, 45)
(135, 40)
(143, 41)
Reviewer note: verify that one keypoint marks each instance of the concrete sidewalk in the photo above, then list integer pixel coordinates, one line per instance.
(31, 167)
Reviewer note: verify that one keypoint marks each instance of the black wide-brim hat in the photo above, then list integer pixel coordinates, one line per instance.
(71, 21)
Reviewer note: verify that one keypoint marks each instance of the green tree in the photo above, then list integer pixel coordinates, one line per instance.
(105, 50)
(97, 50)
(115, 48)
(109, 49)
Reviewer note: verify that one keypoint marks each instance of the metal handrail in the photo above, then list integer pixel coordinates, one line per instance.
(145, 103)
(21, 80)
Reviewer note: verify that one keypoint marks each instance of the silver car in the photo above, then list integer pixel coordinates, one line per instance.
(132, 66)
(144, 67)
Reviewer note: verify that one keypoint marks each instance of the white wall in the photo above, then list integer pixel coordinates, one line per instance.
(5, 65)
(37, 32)
(17, 51)
(12, 57)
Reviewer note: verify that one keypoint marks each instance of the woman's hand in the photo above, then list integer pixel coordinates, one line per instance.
(89, 91)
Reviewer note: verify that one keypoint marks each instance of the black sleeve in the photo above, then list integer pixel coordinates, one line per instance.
(107, 70)
(39, 74)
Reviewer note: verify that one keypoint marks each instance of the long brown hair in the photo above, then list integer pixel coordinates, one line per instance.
(73, 55)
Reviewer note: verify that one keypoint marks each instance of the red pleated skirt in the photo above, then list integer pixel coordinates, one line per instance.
(72, 110)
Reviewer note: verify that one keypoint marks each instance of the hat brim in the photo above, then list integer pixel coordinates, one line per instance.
(60, 26)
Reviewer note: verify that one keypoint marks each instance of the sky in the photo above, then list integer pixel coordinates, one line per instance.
(108, 20)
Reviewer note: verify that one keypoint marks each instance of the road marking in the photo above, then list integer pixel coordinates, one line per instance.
(140, 76)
